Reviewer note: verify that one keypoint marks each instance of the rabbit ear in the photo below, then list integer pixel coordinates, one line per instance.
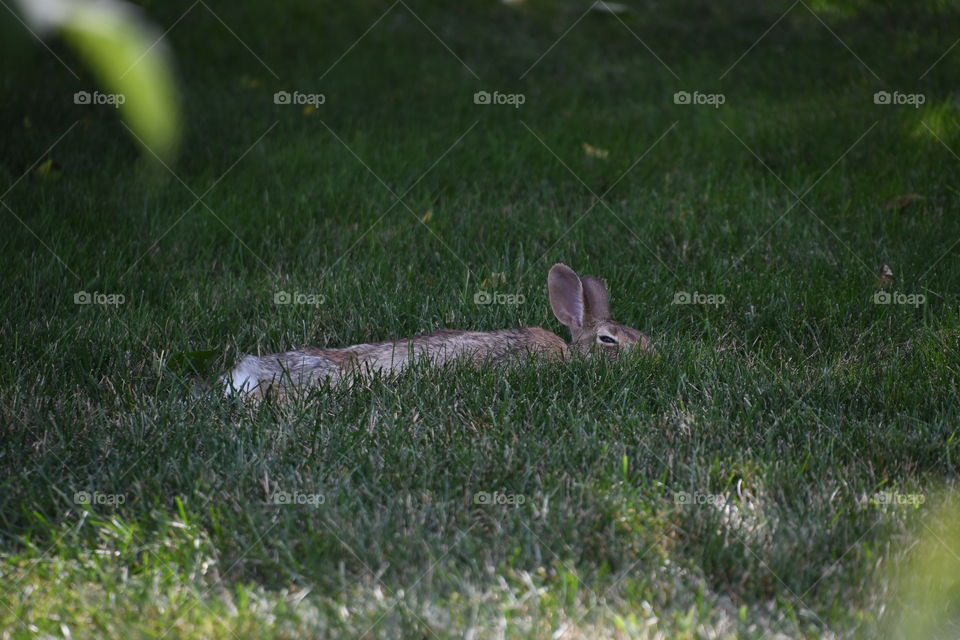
(597, 299)
(566, 296)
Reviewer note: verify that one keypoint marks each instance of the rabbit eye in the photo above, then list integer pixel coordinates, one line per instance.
(608, 339)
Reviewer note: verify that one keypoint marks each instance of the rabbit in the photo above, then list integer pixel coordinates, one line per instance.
(582, 304)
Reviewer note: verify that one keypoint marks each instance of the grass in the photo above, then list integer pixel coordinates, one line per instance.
(716, 490)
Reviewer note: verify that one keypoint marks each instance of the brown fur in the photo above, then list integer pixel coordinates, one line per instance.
(581, 304)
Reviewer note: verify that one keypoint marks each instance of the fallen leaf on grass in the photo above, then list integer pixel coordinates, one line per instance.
(47, 170)
(496, 278)
(595, 152)
(902, 202)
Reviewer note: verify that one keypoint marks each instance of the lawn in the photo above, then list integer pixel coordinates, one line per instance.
(784, 466)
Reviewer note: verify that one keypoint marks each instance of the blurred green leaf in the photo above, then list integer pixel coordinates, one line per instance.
(128, 60)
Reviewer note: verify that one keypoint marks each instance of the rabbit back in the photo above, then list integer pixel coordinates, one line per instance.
(311, 366)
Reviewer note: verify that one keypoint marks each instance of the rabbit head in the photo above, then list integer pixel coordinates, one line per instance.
(583, 305)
